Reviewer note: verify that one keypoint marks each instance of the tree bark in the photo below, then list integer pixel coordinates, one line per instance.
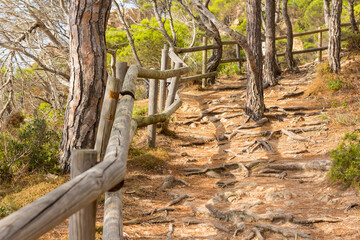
(354, 26)
(88, 20)
(270, 65)
(277, 11)
(326, 12)
(254, 90)
(255, 100)
(335, 36)
(289, 45)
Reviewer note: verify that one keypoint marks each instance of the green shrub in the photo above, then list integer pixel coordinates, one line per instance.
(32, 148)
(334, 84)
(228, 69)
(346, 161)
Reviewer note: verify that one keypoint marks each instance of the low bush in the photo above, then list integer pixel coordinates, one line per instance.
(31, 148)
(346, 161)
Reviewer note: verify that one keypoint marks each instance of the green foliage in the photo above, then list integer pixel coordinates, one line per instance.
(228, 69)
(308, 45)
(346, 161)
(139, 111)
(334, 84)
(32, 147)
(148, 42)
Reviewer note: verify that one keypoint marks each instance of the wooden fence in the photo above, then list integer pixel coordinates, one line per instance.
(102, 170)
(240, 59)
(89, 180)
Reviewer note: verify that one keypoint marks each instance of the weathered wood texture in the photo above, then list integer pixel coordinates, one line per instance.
(45, 213)
(113, 225)
(107, 115)
(173, 86)
(153, 96)
(162, 117)
(320, 45)
(164, 65)
(121, 68)
(157, 74)
(129, 86)
(82, 223)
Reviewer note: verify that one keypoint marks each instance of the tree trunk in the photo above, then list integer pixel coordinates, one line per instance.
(354, 26)
(215, 57)
(277, 11)
(335, 36)
(270, 66)
(326, 12)
(289, 45)
(255, 97)
(88, 20)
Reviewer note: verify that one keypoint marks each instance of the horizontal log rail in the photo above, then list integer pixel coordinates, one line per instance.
(305, 51)
(156, 118)
(158, 74)
(209, 47)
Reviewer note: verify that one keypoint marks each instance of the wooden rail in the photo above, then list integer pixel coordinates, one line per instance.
(82, 191)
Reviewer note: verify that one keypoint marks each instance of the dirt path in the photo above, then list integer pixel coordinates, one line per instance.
(237, 185)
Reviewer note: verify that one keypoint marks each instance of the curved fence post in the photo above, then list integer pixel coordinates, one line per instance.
(164, 66)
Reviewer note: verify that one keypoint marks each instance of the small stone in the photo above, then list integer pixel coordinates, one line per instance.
(184, 154)
(193, 125)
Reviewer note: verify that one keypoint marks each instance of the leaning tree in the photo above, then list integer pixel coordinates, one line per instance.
(252, 47)
(88, 20)
(335, 35)
(271, 68)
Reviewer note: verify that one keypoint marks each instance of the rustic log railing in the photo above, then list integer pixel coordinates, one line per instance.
(239, 59)
(116, 131)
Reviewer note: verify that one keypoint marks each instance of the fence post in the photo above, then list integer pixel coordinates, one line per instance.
(204, 62)
(113, 87)
(153, 95)
(164, 66)
(113, 225)
(121, 68)
(113, 63)
(238, 56)
(82, 223)
(320, 44)
(173, 87)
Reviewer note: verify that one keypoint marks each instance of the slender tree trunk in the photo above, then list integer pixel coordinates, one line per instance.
(270, 50)
(88, 20)
(354, 26)
(289, 45)
(335, 36)
(277, 12)
(215, 57)
(326, 12)
(255, 98)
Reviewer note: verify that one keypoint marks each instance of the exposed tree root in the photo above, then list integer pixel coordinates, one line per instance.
(296, 151)
(221, 227)
(210, 110)
(147, 220)
(291, 95)
(177, 200)
(285, 232)
(227, 88)
(196, 142)
(156, 210)
(259, 123)
(315, 123)
(240, 227)
(296, 137)
(170, 232)
(315, 220)
(317, 165)
(226, 184)
(350, 206)
(170, 181)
